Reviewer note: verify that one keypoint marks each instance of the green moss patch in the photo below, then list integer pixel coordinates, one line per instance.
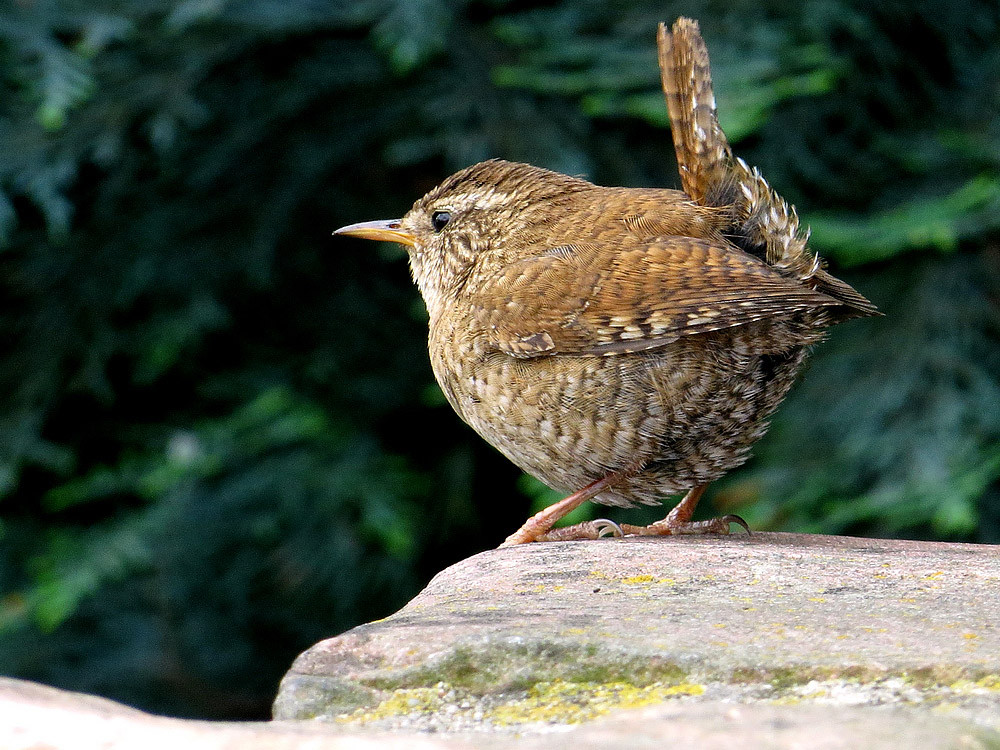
(507, 667)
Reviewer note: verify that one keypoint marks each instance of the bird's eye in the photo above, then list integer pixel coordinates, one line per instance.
(439, 219)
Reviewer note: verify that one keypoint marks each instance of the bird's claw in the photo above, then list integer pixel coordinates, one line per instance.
(607, 527)
(738, 520)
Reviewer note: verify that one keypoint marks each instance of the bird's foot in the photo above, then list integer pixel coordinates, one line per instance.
(595, 529)
(538, 528)
(670, 527)
(678, 520)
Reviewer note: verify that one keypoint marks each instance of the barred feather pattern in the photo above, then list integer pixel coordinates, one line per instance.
(710, 174)
(703, 153)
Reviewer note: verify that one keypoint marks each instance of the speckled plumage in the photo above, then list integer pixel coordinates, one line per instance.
(641, 335)
(601, 343)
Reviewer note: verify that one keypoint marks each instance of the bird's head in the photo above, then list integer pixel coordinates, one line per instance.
(479, 212)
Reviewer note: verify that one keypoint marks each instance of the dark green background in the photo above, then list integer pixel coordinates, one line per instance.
(219, 437)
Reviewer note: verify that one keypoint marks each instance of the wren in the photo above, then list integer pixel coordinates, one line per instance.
(620, 344)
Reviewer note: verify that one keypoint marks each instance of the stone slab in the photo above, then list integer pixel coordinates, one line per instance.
(35, 717)
(773, 641)
(559, 633)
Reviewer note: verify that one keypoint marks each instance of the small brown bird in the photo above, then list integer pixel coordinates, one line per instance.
(622, 344)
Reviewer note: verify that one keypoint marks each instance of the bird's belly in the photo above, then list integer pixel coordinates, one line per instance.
(667, 419)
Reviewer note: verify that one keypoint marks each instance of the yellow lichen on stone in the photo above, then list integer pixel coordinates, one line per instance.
(563, 702)
(632, 580)
(990, 682)
(795, 697)
(402, 701)
(963, 686)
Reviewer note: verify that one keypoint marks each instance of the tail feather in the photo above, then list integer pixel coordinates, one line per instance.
(703, 153)
(763, 223)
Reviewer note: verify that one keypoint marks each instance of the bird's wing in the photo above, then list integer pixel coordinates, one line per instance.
(588, 299)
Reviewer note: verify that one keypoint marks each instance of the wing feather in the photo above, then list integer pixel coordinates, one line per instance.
(589, 299)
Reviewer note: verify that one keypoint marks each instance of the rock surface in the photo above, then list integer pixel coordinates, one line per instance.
(771, 641)
(34, 717)
(524, 639)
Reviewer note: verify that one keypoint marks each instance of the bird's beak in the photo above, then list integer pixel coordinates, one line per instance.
(389, 231)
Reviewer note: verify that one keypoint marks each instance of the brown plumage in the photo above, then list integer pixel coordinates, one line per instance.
(623, 344)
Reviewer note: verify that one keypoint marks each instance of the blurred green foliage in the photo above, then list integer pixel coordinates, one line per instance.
(219, 436)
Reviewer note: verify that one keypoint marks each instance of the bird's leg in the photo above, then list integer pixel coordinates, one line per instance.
(678, 521)
(538, 528)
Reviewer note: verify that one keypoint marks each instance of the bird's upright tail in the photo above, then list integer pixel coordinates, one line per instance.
(762, 222)
(703, 153)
